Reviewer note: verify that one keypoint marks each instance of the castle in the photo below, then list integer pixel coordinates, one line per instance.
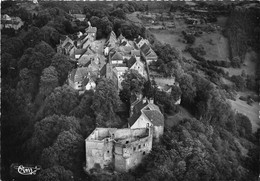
(119, 149)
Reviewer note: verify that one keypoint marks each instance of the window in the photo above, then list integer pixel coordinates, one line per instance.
(144, 145)
(126, 142)
(144, 153)
(108, 151)
(134, 148)
(139, 146)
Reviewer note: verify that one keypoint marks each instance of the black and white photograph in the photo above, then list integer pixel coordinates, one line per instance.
(134, 90)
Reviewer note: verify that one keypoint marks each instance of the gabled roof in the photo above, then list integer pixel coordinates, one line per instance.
(155, 117)
(116, 56)
(138, 39)
(123, 43)
(85, 81)
(67, 45)
(145, 48)
(63, 37)
(79, 74)
(91, 29)
(151, 53)
(134, 118)
(135, 53)
(131, 62)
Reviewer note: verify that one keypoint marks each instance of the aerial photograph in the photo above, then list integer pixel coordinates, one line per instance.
(130, 90)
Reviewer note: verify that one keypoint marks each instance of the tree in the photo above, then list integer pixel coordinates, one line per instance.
(28, 84)
(49, 81)
(176, 93)
(55, 173)
(35, 61)
(61, 101)
(133, 81)
(45, 49)
(84, 107)
(119, 13)
(105, 102)
(13, 46)
(62, 65)
(46, 132)
(33, 37)
(187, 88)
(67, 151)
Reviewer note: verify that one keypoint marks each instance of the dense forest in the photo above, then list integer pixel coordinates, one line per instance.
(44, 121)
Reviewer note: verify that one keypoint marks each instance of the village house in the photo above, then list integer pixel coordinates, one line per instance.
(136, 64)
(81, 79)
(148, 54)
(119, 71)
(165, 84)
(77, 15)
(66, 46)
(119, 149)
(140, 41)
(143, 113)
(11, 22)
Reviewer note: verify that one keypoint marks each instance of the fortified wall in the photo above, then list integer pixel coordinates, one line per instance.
(122, 149)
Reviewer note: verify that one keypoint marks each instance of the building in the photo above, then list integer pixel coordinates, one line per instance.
(120, 149)
(77, 15)
(143, 113)
(136, 64)
(91, 32)
(81, 79)
(140, 41)
(119, 71)
(11, 22)
(148, 54)
(66, 46)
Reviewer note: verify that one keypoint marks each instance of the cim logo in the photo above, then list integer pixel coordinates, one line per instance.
(25, 170)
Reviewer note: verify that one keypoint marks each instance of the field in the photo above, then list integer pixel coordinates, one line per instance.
(252, 112)
(215, 46)
(249, 65)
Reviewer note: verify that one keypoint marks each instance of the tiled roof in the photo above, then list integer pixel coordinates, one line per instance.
(67, 45)
(155, 117)
(138, 39)
(91, 30)
(78, 75)
(131, 62)
(85, 82)
(63, 37)
(133, 118)
(151, 54)
(116, 56)
(145, 48)
(135, 53)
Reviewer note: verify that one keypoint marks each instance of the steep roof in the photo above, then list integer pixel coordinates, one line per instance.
(79, 74)
(131, 62)
(151, 53)
(91, 29)
(135, 53)
(116, 56)
(155, 117)
(138, 39)
(133, 118)
(145, 48)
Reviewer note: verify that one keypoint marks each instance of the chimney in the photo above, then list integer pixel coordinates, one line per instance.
(144, 100)
(151, 101)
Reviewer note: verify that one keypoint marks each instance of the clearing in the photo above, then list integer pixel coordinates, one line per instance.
(215, 46)
(249, 65)
(252, 112)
